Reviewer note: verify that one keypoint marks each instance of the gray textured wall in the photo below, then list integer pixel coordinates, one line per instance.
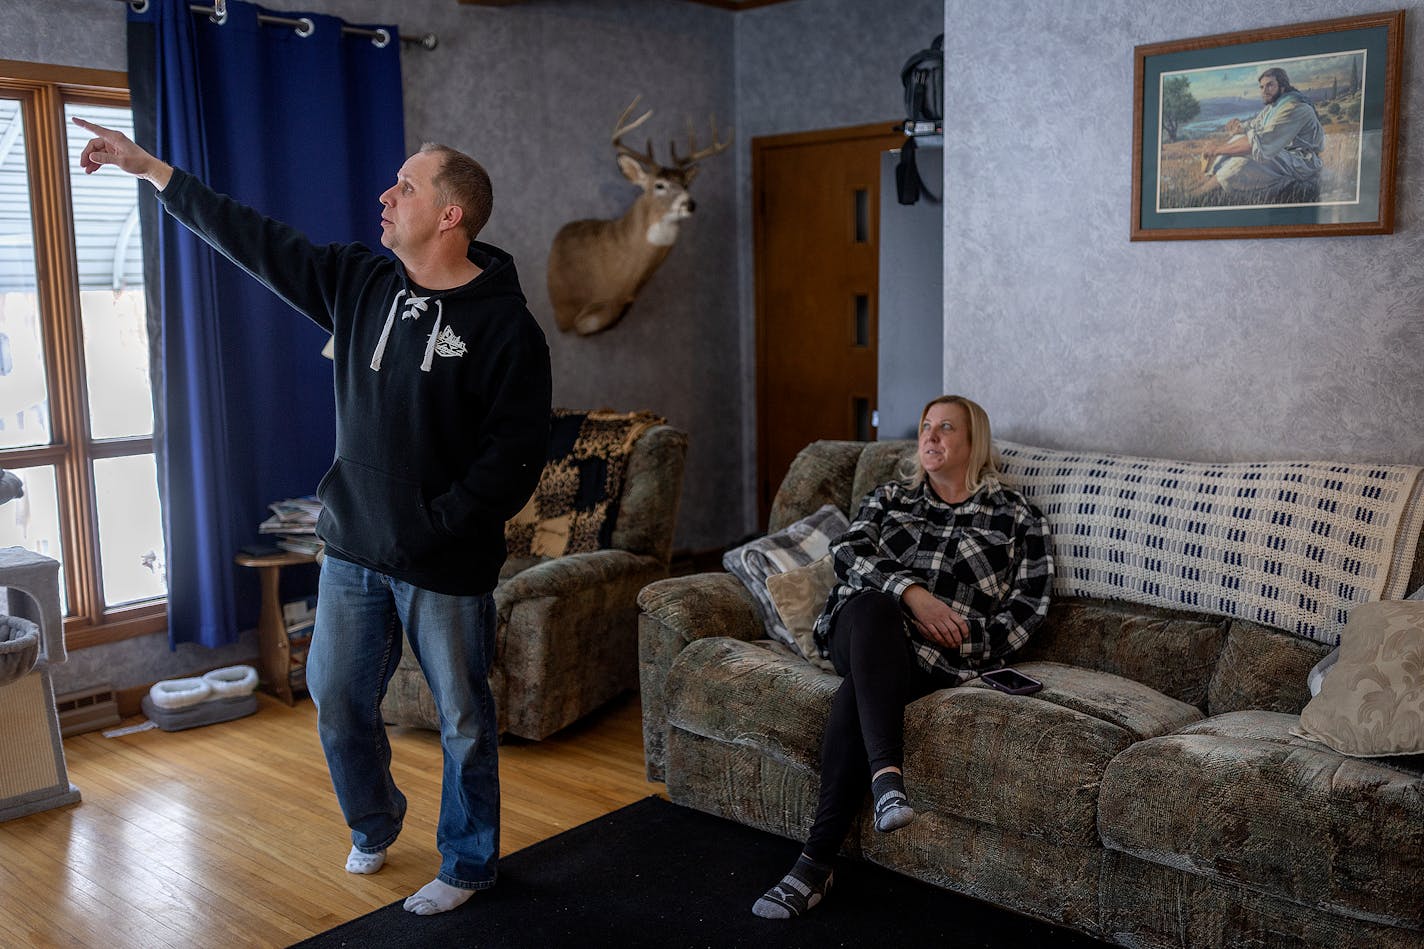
(533, 90)
(805, 65)
(1071, 335)
(64, 32)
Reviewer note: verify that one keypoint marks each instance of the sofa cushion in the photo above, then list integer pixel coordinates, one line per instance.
(1030, 764)
(1287, 544)
(652, 488)
(820, 474)
(1262, 668)
(1140, 710)
(1236, 797)
(795, 545)
(1009, 762)
(879, 463)
(1171, 651)
(1372, 702)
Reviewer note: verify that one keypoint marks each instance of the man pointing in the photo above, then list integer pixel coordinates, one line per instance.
(442, 388)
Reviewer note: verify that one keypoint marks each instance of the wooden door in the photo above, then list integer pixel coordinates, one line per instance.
(816, 224)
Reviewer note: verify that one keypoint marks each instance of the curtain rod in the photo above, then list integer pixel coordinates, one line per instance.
(303, 25)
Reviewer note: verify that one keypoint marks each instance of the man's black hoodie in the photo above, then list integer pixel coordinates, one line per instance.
(442, 397)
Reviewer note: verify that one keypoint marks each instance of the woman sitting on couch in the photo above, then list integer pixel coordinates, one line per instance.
(940, 577)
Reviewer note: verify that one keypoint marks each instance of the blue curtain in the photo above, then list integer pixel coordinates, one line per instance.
(308, 130)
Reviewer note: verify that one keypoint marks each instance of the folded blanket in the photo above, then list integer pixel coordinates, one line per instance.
(575, 506)
(1292, 544)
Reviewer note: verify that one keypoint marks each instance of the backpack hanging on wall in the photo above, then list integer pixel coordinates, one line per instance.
(923, 79)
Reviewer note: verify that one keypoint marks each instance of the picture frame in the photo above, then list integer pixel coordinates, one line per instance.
(1288, 131)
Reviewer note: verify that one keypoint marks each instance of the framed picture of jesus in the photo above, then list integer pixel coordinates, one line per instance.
(1282, 132)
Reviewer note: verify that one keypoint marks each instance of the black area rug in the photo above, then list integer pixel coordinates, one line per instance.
(659, 875)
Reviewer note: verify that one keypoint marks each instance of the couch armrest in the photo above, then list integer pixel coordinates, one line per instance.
(675, 612)
(571, 574)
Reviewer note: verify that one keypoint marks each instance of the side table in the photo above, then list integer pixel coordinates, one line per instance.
(274, 650)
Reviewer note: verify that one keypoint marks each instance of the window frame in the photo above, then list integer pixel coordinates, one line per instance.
(43, 91)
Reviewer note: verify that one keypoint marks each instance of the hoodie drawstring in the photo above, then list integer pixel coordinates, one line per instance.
(385, 333)
(434, 333)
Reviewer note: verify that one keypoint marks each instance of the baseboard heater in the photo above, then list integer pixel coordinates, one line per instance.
(87, 710)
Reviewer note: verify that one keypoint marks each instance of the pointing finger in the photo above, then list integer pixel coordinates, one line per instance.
(92, 157)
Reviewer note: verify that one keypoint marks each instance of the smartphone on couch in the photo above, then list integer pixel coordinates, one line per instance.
(1011, 681)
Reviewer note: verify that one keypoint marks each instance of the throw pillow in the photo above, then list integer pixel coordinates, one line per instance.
(799, 596)
(795, 545)
(1323, 667)
(1372, 702)
(575, 506)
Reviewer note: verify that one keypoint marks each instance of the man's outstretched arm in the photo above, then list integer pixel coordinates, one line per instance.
(306, 275)
(108, 147)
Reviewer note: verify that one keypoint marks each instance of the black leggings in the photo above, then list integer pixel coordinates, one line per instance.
(865, 732)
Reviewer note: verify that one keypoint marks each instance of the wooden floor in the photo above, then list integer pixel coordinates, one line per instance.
(229, 835)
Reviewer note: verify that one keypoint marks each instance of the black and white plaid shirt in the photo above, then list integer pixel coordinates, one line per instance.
(989, 558)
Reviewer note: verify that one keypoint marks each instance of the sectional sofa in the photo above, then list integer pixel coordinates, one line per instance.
(1155, 792)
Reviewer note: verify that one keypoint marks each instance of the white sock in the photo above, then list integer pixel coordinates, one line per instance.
(436, 897)
(358, 861)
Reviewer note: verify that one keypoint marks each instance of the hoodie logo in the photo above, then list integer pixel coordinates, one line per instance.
(414, 306)
(448, 344)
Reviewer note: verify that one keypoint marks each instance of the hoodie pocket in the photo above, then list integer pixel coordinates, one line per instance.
(378, 517)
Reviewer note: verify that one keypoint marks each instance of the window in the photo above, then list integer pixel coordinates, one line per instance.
(76, 417)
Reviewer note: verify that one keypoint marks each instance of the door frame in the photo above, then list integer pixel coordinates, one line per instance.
(761, 145)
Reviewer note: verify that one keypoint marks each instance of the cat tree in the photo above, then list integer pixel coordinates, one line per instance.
(33, 777)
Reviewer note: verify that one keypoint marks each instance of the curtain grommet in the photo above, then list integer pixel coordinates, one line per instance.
(139, 6)
(307, 27)
(381, 40)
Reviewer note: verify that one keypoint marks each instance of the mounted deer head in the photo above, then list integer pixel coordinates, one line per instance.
(596, 267)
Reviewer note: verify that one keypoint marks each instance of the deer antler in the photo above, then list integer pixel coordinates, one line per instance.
(623, 127)
(717, 147)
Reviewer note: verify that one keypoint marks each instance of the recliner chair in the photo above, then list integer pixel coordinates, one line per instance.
(568, 626)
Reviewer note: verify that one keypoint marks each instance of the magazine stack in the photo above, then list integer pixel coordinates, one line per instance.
(299, 616)
(293, 525)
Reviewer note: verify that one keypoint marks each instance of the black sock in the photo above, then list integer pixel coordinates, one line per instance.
(798, 891)
(892, 805)
(888, 782)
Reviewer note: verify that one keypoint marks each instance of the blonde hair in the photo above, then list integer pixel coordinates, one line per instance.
(983, 459)
(463, 181)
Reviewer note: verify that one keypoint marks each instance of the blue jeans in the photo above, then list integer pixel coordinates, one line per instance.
(354, 651)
